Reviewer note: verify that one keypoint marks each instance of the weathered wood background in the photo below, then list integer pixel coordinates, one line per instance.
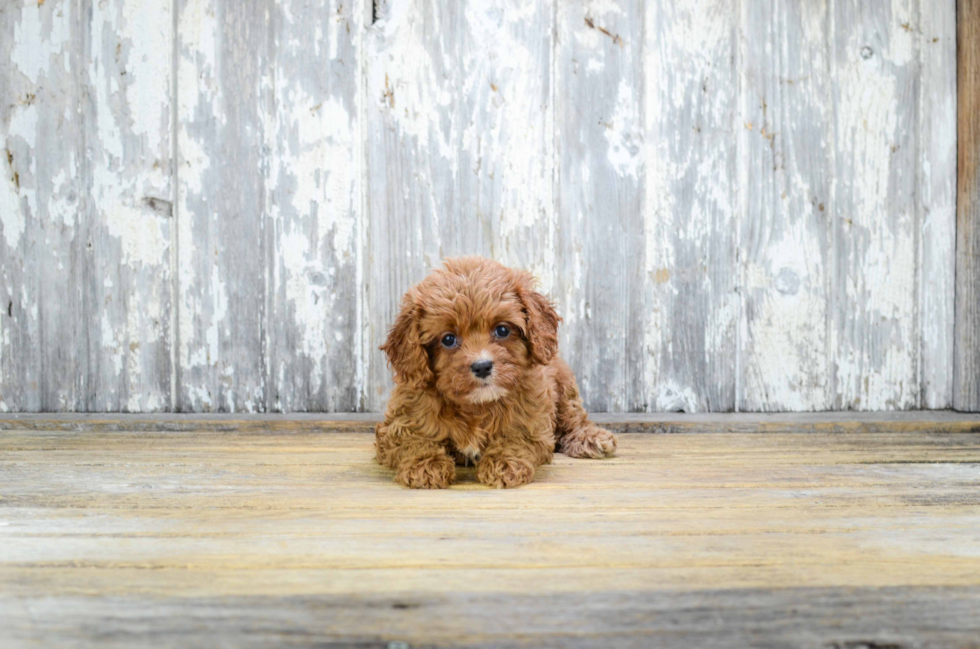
(214, 205)
(824, 532)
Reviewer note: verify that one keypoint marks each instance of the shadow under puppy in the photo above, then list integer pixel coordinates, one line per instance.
(478, 379)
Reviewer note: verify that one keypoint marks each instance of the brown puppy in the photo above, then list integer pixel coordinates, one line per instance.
(478, 379)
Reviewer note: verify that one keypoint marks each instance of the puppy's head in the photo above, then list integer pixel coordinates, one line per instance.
(471, 330)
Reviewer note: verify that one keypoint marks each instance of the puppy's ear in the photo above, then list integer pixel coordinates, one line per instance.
(542, 321)
(404, 349)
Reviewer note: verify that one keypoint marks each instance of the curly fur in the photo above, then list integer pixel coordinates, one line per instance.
(441, 414)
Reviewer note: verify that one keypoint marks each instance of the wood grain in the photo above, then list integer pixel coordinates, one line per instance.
(803, 617)
(786, 226)
(268, 206)
(966, 390)
(690, 215)
(239, 538)
(507, 134)
(314, 208)
(85, 206)
(936, 201)
(599, 133)
(460, 149)
(42, 251)
(873, 207)
(801, 208)
(412, 142)
(224, 92)
(211, 206)
(126, 223)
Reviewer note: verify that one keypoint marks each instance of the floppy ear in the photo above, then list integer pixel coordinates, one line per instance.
(542, 321)
(404, 349)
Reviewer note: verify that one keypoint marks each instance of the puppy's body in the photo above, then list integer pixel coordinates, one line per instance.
(478, 380)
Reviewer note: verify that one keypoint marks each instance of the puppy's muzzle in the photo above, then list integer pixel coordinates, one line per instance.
(482, 369)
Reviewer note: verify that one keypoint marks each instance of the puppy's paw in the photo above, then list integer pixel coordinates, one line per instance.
(504, 471)
(590, 441)
(432, 472)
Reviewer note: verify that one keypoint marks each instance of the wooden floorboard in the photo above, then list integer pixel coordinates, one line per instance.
(842, 537)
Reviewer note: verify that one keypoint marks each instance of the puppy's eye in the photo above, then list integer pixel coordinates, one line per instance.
(449, 341)
(501, 331)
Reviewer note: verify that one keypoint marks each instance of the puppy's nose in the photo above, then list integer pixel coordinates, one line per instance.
(482, 368)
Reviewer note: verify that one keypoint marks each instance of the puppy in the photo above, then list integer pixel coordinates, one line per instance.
(478, 380)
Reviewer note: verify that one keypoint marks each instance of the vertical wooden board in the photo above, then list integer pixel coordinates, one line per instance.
(41, 196)
(599, 149)
(690, 209)
(224, 95)
(936, 199)
(413, 139)
(125, 280)
(966, 387)
(875, 336)
(85, 206)
(268, 207)
(786, 175)
(313, 206)
(506, 149)
(460, 149)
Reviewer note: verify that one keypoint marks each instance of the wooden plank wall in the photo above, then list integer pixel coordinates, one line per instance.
(966, 395)
(214, 205)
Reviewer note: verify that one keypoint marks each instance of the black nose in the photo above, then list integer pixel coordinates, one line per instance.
(482, 368)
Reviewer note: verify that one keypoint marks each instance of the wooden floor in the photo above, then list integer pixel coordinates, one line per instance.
(289, 536)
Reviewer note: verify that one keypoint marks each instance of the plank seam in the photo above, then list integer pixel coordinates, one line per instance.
(954, 397)
(362, 185)
(741, 213)
(917, 220)
(82, 378)
(269, 242)
(175, 205)
(557, 283)
(835, 402)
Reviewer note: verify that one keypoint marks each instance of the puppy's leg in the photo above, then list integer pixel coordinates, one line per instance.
(418, 462)
(511, 458)
(576, 435)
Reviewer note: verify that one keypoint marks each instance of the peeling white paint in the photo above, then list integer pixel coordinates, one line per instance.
(199, 317)
(323, 168)
(875, 360)
(190, 302)
(902, 32)
(507, 131)
(11, 217)
(408, 83)
(462, 125)
(148, 68)
(63, 201)
(111, 346)
(310, 301)
(690, 221)
(937, 123)
(671, 397)
(623, 133)
(20, 140)
(219, 311)
(142, 236)
(40, 36)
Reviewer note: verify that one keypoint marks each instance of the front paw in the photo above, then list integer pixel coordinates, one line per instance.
(504, 471)
(590, 441)
(432, 472)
